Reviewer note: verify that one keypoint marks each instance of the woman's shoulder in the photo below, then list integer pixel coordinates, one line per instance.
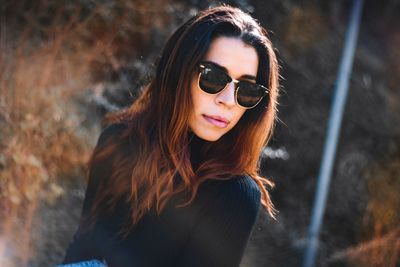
(237, 184)
(110, 132)
(246, 189)
(240, 193)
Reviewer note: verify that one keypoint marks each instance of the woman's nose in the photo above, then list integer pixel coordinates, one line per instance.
(227, 96)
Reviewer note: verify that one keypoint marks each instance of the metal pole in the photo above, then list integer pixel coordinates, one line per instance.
(334, 124)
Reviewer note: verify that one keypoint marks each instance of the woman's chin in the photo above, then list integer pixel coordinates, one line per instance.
(207, 136)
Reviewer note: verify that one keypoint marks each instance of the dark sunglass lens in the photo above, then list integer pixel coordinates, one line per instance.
(212, 80)
(249, 94)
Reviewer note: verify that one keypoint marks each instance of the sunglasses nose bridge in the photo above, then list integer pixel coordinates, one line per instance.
(228, 94)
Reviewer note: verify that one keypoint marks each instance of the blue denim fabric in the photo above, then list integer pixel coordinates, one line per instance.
(91, 263)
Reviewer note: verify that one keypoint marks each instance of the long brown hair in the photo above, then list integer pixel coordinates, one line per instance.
(158, 165)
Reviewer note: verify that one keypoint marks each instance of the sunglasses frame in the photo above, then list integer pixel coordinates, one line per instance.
(236, 86)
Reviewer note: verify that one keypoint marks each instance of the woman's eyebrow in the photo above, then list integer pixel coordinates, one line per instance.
(244, 76)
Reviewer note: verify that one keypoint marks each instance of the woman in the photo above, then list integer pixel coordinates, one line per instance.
(174, 180)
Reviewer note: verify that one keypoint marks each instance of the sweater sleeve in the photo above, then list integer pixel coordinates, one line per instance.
(224, 224)
(81, 246)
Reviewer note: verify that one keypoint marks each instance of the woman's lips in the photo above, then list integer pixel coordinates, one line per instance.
(216, 121)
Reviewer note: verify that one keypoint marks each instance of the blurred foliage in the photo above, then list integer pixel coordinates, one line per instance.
(64, 64)
(384, 200)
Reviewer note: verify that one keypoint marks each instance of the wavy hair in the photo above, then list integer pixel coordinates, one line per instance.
(157, 123)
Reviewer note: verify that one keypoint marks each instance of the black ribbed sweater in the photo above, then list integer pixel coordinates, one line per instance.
(212, 231)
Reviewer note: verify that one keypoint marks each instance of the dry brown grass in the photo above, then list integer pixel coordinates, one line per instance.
(39, 120)
(38, 124)
(381, 251)
(381, 231)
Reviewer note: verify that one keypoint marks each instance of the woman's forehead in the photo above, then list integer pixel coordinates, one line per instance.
(237, 57)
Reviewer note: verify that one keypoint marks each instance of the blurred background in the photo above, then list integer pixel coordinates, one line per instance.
(65, 64)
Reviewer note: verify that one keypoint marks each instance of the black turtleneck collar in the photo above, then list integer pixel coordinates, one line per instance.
(196, 145)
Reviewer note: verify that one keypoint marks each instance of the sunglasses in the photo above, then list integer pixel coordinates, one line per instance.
(212, 80)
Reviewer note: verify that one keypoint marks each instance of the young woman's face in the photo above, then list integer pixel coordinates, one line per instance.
(214, 115)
